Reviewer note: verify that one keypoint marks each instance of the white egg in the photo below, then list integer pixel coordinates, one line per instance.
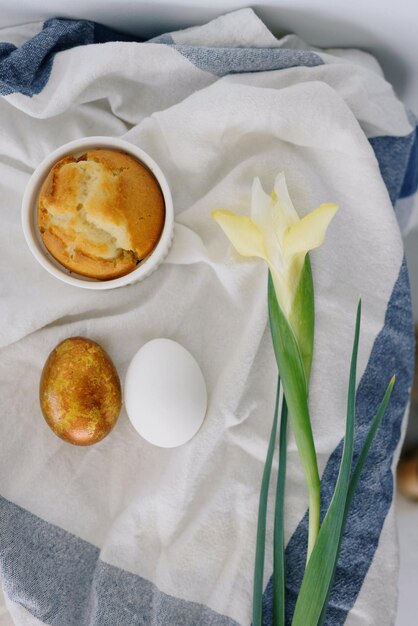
(165, 393)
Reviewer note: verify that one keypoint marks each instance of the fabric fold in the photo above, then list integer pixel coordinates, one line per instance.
(127, 533)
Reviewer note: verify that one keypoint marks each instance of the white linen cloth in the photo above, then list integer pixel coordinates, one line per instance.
(185, 519)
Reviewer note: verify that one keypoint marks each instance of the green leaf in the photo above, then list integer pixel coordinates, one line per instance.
(292, 374)
(279, 565)
(302, 317)
(356, 476)
(367, 443)
(321, 566)
(261, 523)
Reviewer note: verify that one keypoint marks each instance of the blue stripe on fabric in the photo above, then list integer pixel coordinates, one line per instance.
(164, 38)
(410, 183)
(61, 580)
(393, 352)
(223, 61)
(397, 162)
(27, 69)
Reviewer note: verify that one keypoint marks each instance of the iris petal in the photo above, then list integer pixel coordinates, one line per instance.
(266, 214)
(261, 205)
(242, 232)
(309, 232)
(275, 234)
(282, 197)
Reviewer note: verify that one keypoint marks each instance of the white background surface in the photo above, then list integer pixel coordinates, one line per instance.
(387, 29)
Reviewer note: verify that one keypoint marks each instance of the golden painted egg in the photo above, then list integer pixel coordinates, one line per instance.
(80, 391)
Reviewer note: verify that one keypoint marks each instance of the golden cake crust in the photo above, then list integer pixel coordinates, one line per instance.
(100, 214)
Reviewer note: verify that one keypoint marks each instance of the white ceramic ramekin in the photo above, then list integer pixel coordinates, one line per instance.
(31, 230)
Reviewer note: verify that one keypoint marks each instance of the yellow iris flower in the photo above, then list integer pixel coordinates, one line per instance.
(275, 233)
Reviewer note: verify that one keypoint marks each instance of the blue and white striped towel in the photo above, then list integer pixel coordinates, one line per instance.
(124, 533)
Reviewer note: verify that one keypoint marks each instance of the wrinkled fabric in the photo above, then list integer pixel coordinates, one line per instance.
(126, 533)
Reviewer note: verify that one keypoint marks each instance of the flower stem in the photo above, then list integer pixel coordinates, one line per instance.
(302, 431)
(314, 516)
(295, 388)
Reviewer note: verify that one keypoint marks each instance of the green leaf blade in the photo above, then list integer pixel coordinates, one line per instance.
(302, 317)
(368, 442)
(356, 475)
(292, 373)
(279, 564)
(321, 566)
(262, 521)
